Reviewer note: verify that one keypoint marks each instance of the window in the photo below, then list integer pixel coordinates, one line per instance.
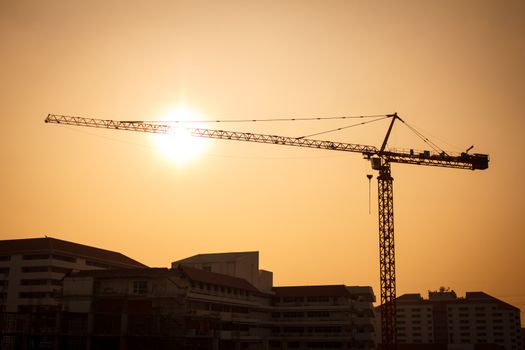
(29, 269)
(316, 299)
(4, 270)
(63, 258)
(140, 287)
(33, 295)
(35, 257)
(33, 282)
(5, 257)
(60, 269)
(97, 264)
(206, 268)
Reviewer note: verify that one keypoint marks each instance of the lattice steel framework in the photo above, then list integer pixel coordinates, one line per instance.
(387, 259)
(380, 158)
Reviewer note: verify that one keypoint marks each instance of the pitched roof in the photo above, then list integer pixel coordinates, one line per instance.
(212, 257)
(123, 273)
(198, 275)
(480, 297)
(311, 291)
(52, 245)
(470, 298)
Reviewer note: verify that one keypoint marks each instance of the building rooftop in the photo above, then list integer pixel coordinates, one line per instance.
(193, 274)
(52, 245)
(198, 275)
(311, 291)
(204, 258)
(451, 298)
(125, 273)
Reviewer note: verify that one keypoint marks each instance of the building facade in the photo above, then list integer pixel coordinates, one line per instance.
(189, 307)
(243, 265)
(182, 308)
(320, 317)
(476, 321)
(31, 285)
(32, 270)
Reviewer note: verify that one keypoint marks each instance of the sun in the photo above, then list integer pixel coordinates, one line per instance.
(179, 146)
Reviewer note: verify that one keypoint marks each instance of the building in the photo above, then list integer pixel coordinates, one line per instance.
(182, 308)
(88, 298)
(319, 317)
(31, 270)
(476, 321)
(193, 307)
(240, 264)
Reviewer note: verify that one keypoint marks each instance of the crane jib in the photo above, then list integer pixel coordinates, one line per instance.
(459, 161)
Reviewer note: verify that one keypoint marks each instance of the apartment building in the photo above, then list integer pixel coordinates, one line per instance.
(476, 321)
(182, 308)
(88, 298)
(32, 270)
(244, 265)
(319, 317)
(188, 307)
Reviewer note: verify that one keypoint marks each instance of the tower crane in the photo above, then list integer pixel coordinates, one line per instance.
(380, 159)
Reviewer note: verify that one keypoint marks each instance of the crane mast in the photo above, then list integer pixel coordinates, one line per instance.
(381, 160)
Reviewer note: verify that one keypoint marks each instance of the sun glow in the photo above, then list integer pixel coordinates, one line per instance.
(179, 146)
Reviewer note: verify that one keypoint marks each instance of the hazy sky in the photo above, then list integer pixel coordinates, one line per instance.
(453, 69)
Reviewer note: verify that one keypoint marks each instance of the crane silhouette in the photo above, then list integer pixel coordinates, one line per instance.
(380, 159)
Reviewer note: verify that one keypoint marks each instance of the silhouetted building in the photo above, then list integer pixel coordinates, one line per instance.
(31, 278)
(477, 321)
(319, 317)
(182, 308)
(186, 307)
(31, 270)
(239, 264)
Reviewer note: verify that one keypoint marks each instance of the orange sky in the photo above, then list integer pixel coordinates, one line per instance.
(452, 68)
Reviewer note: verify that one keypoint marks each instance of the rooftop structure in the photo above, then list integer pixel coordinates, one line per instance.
(238, 264)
